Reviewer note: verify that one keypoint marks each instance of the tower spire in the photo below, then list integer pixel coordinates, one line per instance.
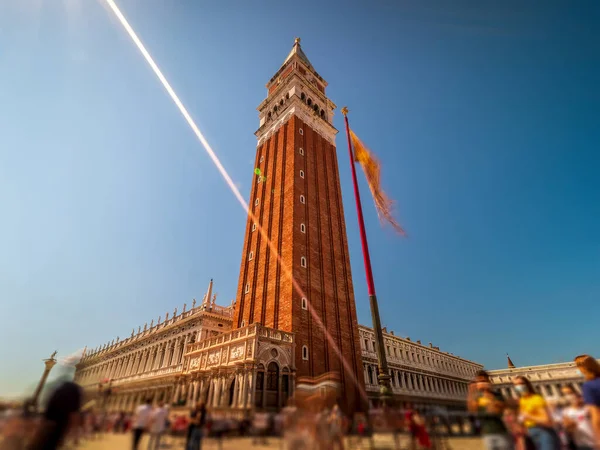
(510, 363)
(208, 295)
(297, 50)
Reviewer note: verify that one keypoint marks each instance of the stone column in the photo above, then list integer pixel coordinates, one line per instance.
(127, 365)
(183, 388)
(238, 390)
(251, 389)
(185, 342)
(148, 360)
(189, 389)
(124, 362)
(224, 391)
(156, 364)
(144, 362)
(48, 365)
(201, 390)
(264, 389)
(177, 390)
(135, 362)
(244, 397)
(195, 394)
(169, 353)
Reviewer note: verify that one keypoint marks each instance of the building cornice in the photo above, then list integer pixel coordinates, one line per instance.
(390, 336)
(542, 367)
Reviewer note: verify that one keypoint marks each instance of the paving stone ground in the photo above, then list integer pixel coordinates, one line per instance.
(381, 442)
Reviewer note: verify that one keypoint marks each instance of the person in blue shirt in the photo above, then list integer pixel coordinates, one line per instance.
(590, 369)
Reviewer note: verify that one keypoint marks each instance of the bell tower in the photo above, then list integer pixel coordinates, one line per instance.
(296, 198)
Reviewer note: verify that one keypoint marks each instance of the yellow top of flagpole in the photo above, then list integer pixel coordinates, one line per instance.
(345, 110)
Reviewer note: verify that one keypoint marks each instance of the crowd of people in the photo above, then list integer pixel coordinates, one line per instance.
(570, 422)
(531, 422)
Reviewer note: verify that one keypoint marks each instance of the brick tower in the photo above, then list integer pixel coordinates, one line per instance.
(297, 200)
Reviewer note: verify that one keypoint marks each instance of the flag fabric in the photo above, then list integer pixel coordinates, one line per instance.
(372, 169)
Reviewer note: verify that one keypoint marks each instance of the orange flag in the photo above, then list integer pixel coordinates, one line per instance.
(371, 167)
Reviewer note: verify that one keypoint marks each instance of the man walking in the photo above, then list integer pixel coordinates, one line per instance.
(141, 422)
(158, 420)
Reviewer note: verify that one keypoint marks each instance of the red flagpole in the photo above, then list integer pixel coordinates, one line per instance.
(361, 222)
(384, 377)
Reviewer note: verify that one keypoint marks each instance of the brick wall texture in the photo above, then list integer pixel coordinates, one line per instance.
(266, 292)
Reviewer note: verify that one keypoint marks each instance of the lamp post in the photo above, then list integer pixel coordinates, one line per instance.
(48, 365)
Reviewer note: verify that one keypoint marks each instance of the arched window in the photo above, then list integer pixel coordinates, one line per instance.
(247, 289)
(272, 385)
(262, 158)
(253, 227)
(302, 174)
(303, 261)
(309, 102)
(322, 113)
(302, 200)
(301, 131)
(305, 353)
(304, 303)
(251, 256)
(281, 102)
(256, 202)
(273, 377)
(231, 392)
(370, 374)
(302, 228)
(302, 96)
(275, 108)
(316, 108)
(287, 96)
(301, 150)
(260, 383)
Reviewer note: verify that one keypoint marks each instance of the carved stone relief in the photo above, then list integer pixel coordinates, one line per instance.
(237, 352)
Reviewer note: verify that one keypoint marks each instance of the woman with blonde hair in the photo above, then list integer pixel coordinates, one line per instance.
(590, 369)
(535, 416)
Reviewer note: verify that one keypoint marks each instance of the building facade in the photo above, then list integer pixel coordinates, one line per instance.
(420, 374)
(293, 323)
(547, 379)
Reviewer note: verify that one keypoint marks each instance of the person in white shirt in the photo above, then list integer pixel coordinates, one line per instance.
(141, 422)
(577, 422)
(158, 423)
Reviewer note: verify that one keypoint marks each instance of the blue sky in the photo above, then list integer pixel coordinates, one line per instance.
(484, 115)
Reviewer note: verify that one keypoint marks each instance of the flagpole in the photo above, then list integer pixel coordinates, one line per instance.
(384, 373)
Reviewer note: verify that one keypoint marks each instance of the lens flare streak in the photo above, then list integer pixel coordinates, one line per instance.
(121, 18)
